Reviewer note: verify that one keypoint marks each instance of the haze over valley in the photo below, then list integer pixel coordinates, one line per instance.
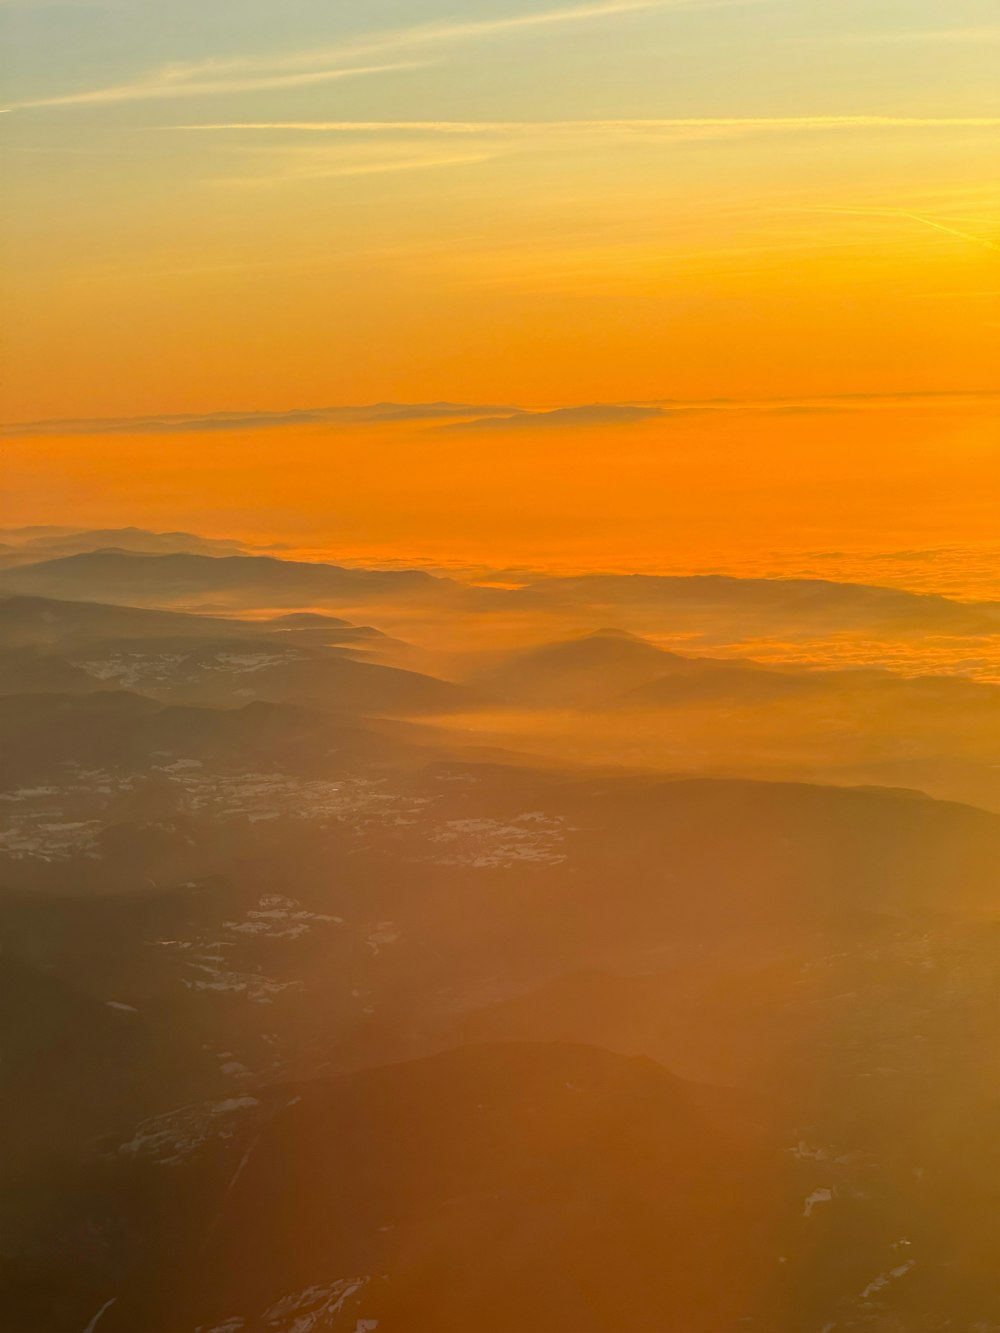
(426, 953)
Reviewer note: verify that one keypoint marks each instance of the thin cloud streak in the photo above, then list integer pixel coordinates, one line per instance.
(433, 34)
(983, 33)
(240, 74)
(540, 127)
(319, 170)
(370, 414)
(131, 92)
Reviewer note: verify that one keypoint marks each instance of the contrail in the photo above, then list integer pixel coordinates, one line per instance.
(916, 217)
(953, 231)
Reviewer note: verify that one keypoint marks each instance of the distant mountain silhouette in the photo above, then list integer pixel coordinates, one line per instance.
(800, 603)
(53, 544)
(38, 621)
(615, 668)
(711, 681)
(576, 671)
(238, 581)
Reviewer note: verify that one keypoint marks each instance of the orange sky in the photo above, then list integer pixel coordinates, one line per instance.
(711, 488)
(254, 210)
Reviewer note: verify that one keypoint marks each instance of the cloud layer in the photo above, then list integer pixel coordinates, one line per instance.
(562, 418)
(191, 424)
(487, 416)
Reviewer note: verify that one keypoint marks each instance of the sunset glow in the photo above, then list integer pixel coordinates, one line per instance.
(500, 666)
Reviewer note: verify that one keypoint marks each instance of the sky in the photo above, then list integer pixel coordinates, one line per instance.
(257, 207)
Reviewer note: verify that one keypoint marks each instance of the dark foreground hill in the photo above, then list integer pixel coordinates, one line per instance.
(241, 951)
(495, 1188)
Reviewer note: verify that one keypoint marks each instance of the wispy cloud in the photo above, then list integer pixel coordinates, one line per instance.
(567, 418)
(920, 36)
(323, 166)
(302, 150)
(169, 84)
(195, 423)
(240, 74)
(532, 128)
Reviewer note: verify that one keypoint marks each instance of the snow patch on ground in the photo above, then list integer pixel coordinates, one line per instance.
(384, 934)
(170, 1138)
(133, 669)
(803, 1152)
(280, 918)
(534, 837)
(38, 826)
(42, 838)
(240, 663)
(885, 1279)
(211, 966)
(314, 1309)
(255, 986)
(813, 1200)
(359, 802)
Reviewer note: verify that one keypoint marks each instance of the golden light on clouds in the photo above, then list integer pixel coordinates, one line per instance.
(559, 205)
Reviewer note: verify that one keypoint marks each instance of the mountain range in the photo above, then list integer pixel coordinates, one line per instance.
(343, 996)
